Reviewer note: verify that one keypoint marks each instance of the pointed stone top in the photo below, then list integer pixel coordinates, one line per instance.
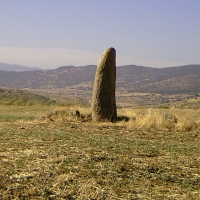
(110, 49)
(108, 53)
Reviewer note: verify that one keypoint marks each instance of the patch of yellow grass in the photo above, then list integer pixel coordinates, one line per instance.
(142, 118)
(177, 119)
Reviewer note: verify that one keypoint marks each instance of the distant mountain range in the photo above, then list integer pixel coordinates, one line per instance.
(9, 67)
(130, 78)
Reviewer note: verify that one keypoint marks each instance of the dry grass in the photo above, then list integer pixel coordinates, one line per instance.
(159, 119)
(155, 155)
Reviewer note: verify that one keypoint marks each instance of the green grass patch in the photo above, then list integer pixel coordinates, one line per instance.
(10, 118)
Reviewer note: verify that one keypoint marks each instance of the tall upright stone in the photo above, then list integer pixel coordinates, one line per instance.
(103, 99)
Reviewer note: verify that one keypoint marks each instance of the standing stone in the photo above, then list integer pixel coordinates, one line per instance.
(103, 100)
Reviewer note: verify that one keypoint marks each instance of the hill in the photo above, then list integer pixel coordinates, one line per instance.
(191, 103)
(171, 80)
(22, 98)
(9, 67)
(130, 78)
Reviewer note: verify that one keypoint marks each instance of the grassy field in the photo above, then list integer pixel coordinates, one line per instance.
(48, 153)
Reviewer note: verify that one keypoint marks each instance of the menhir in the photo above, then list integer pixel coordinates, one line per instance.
(103, 100)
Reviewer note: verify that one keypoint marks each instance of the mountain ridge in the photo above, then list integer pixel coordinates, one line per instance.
(132, 78)
(14, 67)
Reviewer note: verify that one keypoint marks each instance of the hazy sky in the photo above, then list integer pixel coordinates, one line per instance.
(53, 33)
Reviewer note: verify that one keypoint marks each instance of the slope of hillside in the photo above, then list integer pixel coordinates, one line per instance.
(180, 84)
(132, 78)
(191, 103)
(22, 98)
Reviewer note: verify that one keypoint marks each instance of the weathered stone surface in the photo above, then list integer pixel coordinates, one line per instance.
(103, 100)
